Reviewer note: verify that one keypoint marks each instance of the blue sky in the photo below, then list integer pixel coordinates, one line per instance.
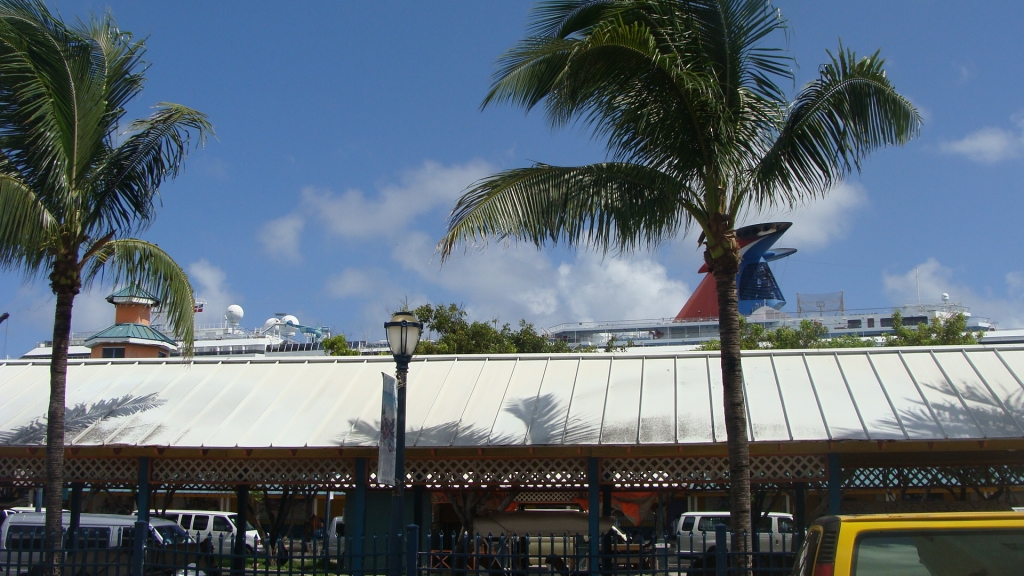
(346, 130)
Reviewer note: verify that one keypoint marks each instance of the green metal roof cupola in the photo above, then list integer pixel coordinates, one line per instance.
(131, 336)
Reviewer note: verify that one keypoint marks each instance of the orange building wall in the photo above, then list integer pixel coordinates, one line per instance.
(130, 350)
(131, 314)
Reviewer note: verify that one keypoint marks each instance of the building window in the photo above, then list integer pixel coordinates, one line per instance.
(871, 322)
(853, 323)
(113, 352)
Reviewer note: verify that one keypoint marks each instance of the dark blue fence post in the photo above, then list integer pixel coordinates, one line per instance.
(721, 550)
(799, 515)
(412, 549)
(142, 521)
(594, 513)
(358, 527)
(835, 483)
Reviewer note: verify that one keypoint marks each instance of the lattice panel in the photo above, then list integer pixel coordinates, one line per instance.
(102, 470)
(545, 497)
(332, 473)
(934, 477)
(682, 472)
(531, 473)
(22, 471)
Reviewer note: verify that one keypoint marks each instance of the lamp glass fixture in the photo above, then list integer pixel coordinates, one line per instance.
(403, 333)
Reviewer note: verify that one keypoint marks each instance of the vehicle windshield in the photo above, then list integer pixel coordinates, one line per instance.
(234, 520)
(939, 553)
(173, 535)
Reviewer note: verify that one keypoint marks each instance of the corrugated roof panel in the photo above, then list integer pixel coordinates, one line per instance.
(658, 402)
(836, 404)
(184, 396)
(802, 408)
(583, 425)
(1007, 389)
(478, 417)
(767, 418)
(349, 380)
(512, 421)
(717, 399)
(986, 410)
(906, 399)
(551, 407)
(943, 399)
(139, 389)
(319, 401)
(426, 382)
(442, 419)
(693, 404)
(622, 409)
(363, 414)
(874, 407)
(19, 397)
(230, 389)
(248, 425)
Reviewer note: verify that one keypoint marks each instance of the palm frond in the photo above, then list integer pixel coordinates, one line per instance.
(565, 18)
(26, 227)
(834, 123)
(126, 183)
(607, 206)
(137, 263)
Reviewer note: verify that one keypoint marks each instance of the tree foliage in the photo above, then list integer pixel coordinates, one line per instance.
(809, 334)
(455, 334)
(337, 345)
(940, 332)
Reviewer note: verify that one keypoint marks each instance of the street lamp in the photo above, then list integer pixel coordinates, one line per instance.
(403, 335)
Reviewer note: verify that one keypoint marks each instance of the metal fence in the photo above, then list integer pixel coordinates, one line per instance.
(718, 553)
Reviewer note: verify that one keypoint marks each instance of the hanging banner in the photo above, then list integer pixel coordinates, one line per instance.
(388, 432)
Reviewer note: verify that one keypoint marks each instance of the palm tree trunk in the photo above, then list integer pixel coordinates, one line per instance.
(54, 491)
(725, 267)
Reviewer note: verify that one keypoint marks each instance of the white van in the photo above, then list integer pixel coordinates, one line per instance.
(102, 540)
(695, 532)
(213, 524)
(336, 536)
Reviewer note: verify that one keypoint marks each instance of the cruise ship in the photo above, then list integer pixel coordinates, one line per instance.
(760, 302)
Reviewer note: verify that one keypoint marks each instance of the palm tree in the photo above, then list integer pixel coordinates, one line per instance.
(687, 95)
(76, 180)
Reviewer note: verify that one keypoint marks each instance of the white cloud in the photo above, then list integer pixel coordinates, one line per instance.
(281, 237)
(818, 222)
(210, 283)
(935, 279)
(990, 145)
(395, 206)
(612, 288)
(356, 283)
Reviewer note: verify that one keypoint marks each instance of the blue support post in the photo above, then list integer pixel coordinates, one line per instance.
(38, 497)
(835, 483)
(358, 527)
(76, 513)
(594, 513)
(800, 514)
(412, 549)
(238, 545)
(142, 521)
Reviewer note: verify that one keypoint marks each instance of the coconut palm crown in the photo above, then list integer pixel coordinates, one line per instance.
(688, 96)
(77, 180)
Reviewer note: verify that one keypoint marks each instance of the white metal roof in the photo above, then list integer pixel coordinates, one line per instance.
(508, 400)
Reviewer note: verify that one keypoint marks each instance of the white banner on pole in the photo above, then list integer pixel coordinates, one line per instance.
(388, 432)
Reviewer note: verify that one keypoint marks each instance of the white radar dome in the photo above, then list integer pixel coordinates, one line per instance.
(234, 314)
(289, 326)
(270, 323)
(945, 297)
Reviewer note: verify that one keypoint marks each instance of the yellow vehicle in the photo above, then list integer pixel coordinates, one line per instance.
(939, 544)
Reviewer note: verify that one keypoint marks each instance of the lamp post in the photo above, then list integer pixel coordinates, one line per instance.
(403, 335)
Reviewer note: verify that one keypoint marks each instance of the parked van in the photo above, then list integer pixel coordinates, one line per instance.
(695, 533)
(336, 536)
(938, 544)
(103, 544)
(212, 524)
